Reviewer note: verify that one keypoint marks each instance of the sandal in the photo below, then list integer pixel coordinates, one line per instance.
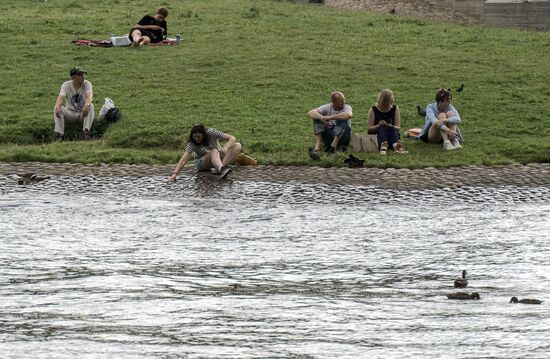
(384, 148)
(399, 148)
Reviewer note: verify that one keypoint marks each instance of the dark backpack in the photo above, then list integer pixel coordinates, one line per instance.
(113, 115)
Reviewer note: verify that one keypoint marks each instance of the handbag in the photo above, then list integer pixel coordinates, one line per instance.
(364, 143)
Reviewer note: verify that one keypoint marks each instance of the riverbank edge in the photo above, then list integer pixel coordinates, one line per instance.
(530, 175)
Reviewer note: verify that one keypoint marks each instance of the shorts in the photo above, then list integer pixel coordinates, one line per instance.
(200, 166)
(338, 130)
(424, 137)
(151, 35)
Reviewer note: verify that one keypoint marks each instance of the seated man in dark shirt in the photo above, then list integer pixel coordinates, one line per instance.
(150, 29)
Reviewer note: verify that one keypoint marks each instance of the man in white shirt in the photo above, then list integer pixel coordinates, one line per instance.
(331, 125)
(78, 95)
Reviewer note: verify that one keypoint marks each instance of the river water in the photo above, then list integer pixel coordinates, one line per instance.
(127, 267)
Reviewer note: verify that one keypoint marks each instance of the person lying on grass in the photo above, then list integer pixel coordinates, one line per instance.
(204, 142)
(331, 125)
(150, 29)
(441, 124)
(385, 121)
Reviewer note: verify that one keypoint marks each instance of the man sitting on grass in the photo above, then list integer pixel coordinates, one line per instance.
(79, 95)
(331, 125)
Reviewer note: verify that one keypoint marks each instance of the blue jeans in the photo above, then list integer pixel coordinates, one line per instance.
(200, 166)
(387, 134)
(342, 129)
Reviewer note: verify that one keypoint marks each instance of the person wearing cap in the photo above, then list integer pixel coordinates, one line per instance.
(78, 95)
(150, 29)
(331, 125)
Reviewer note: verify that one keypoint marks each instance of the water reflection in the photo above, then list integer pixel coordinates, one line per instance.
(132, 267)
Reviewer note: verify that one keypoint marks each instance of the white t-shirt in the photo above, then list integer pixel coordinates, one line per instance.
(328, 110)
(75, 99)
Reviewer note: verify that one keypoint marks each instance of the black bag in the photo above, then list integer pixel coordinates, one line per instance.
(113, 115)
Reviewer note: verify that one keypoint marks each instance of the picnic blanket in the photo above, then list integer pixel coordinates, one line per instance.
(92, 43)
(107, 43)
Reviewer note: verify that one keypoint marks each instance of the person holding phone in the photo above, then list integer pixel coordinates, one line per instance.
(384, 119)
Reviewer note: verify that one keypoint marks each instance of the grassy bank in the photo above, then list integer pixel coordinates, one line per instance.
(254, 68)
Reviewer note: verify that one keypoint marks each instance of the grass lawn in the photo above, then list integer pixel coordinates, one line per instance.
(254, 68)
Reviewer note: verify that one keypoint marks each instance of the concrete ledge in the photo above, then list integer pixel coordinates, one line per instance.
(522, 14)
(531, 175)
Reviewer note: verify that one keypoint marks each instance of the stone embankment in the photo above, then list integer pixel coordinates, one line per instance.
(522, 14)
(469, 11)
(531, 175)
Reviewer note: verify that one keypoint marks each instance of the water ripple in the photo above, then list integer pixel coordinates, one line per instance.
(129, 267)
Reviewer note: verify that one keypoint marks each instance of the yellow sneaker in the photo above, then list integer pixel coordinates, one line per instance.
(245, 160)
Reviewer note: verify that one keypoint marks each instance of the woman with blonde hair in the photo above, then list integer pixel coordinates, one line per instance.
(385, 121)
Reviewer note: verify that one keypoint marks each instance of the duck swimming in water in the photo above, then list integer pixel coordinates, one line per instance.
(525, 301)
(28, 178)
(461, 282)
(464, 296)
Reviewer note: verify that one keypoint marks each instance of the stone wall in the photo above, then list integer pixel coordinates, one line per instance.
(309, 1)
(465, 11)
(523, 14)
(469, 9)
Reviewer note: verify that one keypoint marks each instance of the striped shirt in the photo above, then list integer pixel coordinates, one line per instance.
(212, 137)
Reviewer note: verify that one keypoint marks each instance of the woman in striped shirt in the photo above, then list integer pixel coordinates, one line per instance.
(204, 142)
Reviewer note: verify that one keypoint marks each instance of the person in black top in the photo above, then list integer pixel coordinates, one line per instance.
(150, 29)
(385, 121)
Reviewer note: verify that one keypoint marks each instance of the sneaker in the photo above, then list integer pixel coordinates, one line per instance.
(59, 137)
(447, 145)
(313, 155)
(330, 150)
(224, 171)
(456, 145)
(87, 135)
(353, 161)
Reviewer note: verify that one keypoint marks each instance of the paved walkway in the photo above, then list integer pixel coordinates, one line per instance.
(531, 175)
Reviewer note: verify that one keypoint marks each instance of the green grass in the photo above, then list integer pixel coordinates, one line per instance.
(254, 68)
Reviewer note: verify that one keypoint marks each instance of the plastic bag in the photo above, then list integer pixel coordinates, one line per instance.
(109, 104)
